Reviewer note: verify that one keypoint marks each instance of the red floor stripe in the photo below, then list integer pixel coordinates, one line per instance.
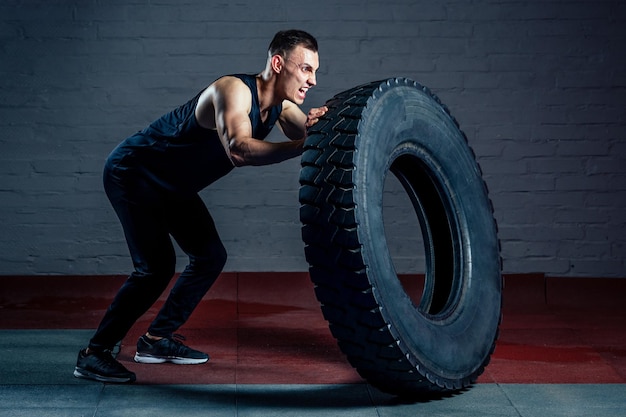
(268, 328)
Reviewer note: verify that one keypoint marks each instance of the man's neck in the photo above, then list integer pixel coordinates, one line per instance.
(266, 83)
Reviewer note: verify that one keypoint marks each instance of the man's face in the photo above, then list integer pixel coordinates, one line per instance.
(299, 68)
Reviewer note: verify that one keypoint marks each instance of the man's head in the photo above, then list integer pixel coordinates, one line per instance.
(285, 41)
(294, 60)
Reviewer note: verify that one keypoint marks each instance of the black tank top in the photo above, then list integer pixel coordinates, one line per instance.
(178, 154)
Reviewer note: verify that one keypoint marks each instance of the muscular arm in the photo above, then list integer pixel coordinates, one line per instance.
(224, 106)
(294, 123)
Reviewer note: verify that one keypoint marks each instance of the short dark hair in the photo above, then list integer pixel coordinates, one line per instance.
(286, 40)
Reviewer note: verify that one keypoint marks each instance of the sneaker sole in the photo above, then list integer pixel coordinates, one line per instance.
(81, 373)
(143, 358)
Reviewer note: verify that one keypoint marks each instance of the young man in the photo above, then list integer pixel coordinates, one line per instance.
(153, 178)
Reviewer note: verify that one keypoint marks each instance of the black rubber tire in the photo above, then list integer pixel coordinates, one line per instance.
(444, 343)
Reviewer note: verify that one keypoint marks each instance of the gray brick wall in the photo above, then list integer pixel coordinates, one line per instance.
(539, 87)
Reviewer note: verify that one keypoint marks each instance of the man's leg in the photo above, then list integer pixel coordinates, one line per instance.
(193, 228)
(140, 208)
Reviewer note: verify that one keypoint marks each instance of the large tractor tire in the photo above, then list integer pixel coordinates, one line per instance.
(403, 347)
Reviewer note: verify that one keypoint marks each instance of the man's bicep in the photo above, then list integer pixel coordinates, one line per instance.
(232, 105)
(233, 124)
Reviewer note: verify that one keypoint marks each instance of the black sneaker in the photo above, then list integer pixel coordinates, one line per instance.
(168, 350)
(101, 366)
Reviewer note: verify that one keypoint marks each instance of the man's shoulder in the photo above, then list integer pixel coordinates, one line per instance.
(226, 93)
(231, 81)
(229, 85)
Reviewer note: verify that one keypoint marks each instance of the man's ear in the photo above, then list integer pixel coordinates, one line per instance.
(277, 63)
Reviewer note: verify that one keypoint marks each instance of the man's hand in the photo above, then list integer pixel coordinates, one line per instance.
(314, 115)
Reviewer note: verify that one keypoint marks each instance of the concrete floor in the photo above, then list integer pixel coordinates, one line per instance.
(36, 380)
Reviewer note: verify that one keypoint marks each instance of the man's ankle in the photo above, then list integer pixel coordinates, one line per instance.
(153, 338)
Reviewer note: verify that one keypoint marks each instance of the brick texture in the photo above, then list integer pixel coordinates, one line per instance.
(539, 87)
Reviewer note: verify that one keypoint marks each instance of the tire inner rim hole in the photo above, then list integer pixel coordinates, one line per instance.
(419, 235)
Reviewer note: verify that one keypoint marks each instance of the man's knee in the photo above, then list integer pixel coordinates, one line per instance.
(222, 257)
(212, 261)
(156, 279)
(160, 270)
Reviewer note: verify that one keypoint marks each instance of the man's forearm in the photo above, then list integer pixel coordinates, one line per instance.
(256, 152)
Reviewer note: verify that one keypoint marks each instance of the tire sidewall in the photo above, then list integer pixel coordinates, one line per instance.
(404, 119)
